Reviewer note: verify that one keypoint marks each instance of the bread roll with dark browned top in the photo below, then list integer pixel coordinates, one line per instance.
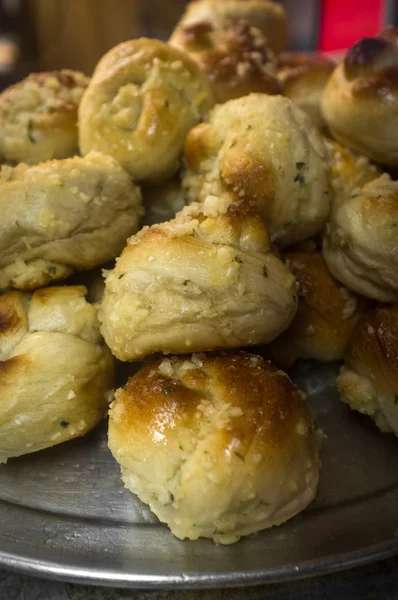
(219, 447)
(360, 102)
(368, 381)
(236, 59)
(269, 17)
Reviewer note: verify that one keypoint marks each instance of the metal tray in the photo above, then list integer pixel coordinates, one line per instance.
(65, 515)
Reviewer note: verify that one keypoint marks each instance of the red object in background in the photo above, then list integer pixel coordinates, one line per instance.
(344, 22)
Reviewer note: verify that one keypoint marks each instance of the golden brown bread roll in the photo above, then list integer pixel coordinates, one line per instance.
(63, 215)
(326, 316)
(204, 281)
(236, 59)
(303, 77)
(368, 382)
(219, 447)
(361, 241)
(350, 171)
(142, 100)
(38, 117)
(262, 149)
(269, 17)
(360, 102)
(56, 374)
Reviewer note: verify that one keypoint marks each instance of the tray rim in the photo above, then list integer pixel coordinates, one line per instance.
(99, 577)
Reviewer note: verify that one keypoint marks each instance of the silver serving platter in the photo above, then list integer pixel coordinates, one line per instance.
(65, 515)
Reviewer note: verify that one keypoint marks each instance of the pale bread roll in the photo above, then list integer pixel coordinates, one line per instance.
(56, 374)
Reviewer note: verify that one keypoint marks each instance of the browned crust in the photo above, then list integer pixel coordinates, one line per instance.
(44, 295)
(382, 204)
(200, 144)
(383, 85)
(11, 319)
(247, 178)
(374, 346)
(390, 34)
(12, 368)
(269, 17)
(270, 404)
(371, 65)
(360, 102)
(294, 67)
(240, 174)
(237, 61)
(322, 302)
(326, 316)
(364, 56)
(195, 36)
(67, 108)
(318, 291)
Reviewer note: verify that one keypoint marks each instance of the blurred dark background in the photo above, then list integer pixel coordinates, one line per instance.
(51, 34)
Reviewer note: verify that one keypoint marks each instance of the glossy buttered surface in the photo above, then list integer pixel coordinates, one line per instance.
(64, 513)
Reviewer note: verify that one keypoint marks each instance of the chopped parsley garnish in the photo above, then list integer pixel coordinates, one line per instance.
(167, 390)
(300, 178)
(186, 282)
(233, 144)
(300, 165)
(265, 271)
(249, 127)
(51, 270)
(29, 132)
(122, 275)
(64, 424)
(166, 103)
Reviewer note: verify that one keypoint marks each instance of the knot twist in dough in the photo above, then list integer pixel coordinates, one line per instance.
(142, 100)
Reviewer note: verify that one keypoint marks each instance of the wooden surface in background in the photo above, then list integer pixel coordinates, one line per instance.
(76, 33)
